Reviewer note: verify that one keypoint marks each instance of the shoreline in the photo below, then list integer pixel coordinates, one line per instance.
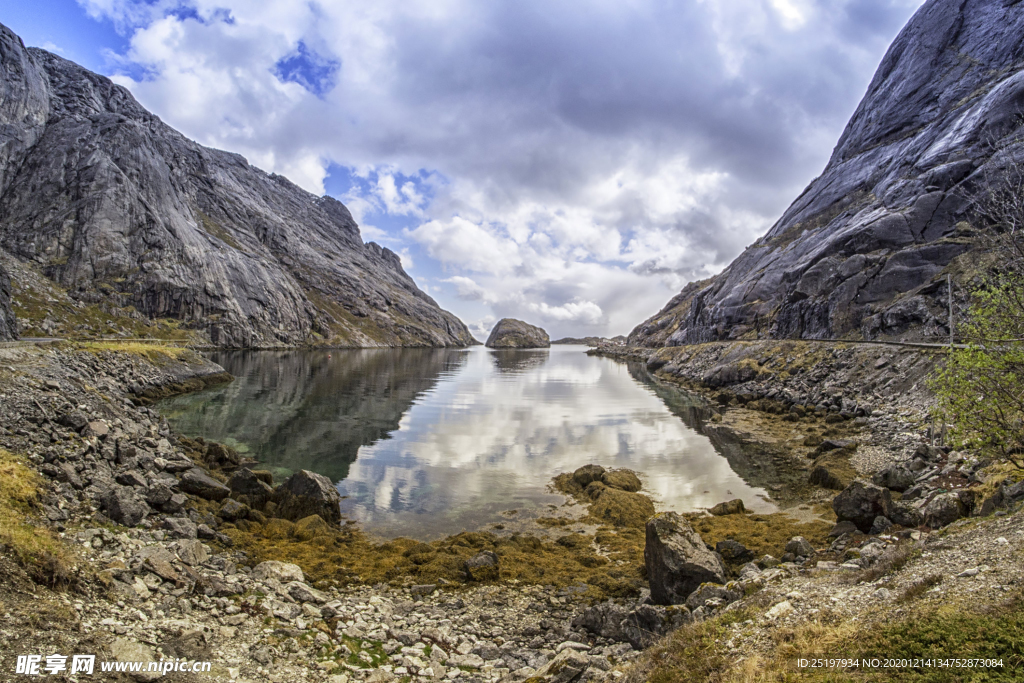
(541, 609)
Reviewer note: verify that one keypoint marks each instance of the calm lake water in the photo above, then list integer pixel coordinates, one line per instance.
(429, 442)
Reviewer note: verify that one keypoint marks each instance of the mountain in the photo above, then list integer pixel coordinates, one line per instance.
(8, 327)
(863, 252)
(123, 211)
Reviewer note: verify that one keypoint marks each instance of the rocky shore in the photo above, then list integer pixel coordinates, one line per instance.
(178, 548)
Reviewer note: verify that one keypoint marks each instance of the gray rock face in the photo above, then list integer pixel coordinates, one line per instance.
(244, 483)
(940, 121)
(510, 333)
(860, 503)
(8, 325)
(943, 509)
(199, 483)
(307, 493)
(119, 208)
(123, 505)
(677, 560)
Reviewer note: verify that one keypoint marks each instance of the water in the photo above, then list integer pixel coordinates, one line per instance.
(429, 442)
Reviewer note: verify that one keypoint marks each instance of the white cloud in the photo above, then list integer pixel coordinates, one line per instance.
(563, 176)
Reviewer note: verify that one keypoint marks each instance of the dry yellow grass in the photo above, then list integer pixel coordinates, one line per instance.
(41, 552)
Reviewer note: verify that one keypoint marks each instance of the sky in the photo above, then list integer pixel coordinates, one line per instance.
(569, 163)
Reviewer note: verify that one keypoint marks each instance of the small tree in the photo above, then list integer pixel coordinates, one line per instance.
(981, 387)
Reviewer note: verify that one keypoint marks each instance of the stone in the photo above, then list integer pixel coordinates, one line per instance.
(732, 507)
(895, 477)
(232, 510)
(568, 666)
(192, 552)
(624, 480)
(482, 567)
(677, 560)
(180, 527)
(842, 528)
(509, 333)
(860, 503)
(97, 428)
(734, 552)
(943, 509)
(800, 546)
(125, 506)
(711, 591)
(158, 494)
(779, 610)
(307, 493)
(131, 478)
(199, 483)
(881, 525)
(124, 650)
(244, 482)
(300, 592)
(906, 515)
(824, 477)
(279, 571)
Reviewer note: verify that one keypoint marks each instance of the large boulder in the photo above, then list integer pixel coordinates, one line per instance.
(677, 560)
(943, 509)
(199, 483)
(245, 483)
(568, 666)
(124, 505)
(307, 493)
(279, 571)
(509, 333)
(896, 477)
(860, 503)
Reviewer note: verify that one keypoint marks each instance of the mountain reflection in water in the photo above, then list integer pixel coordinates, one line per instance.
(428, 442)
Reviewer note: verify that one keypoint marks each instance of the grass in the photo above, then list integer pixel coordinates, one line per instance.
(156, 353)
(892, 560)
(763, 534)
(920, 587)
(47, 559)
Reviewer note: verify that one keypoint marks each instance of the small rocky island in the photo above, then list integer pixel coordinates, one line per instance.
(510, 333)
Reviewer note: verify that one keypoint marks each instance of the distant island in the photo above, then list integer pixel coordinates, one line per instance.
(591, 341)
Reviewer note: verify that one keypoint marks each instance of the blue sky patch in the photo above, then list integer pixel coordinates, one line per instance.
(312, 71)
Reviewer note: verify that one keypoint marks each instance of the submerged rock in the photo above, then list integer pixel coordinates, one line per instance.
(510, 333)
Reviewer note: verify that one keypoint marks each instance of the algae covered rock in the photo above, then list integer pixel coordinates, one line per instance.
(510, 333)
(307, 493)
(622, 479)
(730, 507)
(677, 560)
(482, 567)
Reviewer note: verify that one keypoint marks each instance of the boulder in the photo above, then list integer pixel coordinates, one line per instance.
(280, 571)
(300, 592)
(232, 510)
(718, 595)
(307, 493)
(732, 507)
(123, 505)
(677, 560)
(881, 525)
(624, 480)
(192, 552)
(587, 474)
(199, 483)
(943, 509)
(245, 482)
(800, 546)
(860, 503)
(896, 477)
(841, 529)
(482, 567)
(646, 624)
(568, 666)
(824, 477)
(180, 527)
(906, 515)
(734, 552)
(509, 333)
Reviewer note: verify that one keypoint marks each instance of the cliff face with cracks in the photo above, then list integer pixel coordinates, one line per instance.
(863, 251)
(8, 325)
(118, 207)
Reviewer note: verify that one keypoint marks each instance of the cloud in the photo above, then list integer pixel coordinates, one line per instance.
(556, 154)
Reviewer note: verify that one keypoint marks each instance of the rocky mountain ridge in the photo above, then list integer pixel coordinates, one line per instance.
(863, 252)
(120, 209)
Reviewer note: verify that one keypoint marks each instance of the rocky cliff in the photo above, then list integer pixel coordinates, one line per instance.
(119, 208)
(863, 251)
(8, 326)
(509, 333)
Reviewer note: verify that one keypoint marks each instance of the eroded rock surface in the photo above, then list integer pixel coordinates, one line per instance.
(509, 333)
(677, 560)
(8, 325)
(862, 251)
(121, 209)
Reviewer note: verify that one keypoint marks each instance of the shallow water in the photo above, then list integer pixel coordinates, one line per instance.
(429, 442)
